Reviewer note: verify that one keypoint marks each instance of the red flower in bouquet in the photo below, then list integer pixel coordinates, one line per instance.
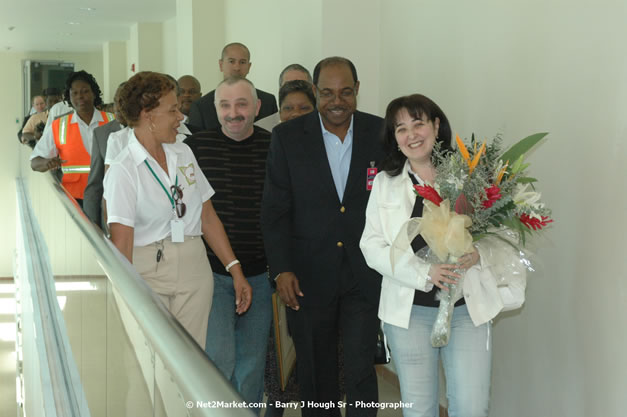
(533, 222)
(428, 193)
(493, 194)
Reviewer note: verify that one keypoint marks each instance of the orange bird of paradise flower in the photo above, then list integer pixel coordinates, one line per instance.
(462, 149)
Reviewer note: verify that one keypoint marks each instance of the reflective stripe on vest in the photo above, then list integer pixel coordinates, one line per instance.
(63, 124)
(65, 120)
(75, 169)
(108, 116)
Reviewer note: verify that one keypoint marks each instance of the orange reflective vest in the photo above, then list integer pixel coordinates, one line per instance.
(69, 143)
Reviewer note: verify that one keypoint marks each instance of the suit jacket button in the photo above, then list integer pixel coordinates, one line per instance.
(340, 244)
(342, 209)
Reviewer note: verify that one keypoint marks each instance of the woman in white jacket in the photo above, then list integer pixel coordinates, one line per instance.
(408, 306)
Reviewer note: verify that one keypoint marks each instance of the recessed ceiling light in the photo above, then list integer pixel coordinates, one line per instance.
(73, 23)
(87, 9)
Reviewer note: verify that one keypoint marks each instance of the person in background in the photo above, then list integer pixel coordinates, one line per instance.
(108, 107)
(92, 202)
(39, 104)
(34, 124)
(67, 145)
(292, 72)
(313, 213)
(234, 62)
(295, 99)
(158, 204)
(189, 92)
(408, 306)
(233, 160)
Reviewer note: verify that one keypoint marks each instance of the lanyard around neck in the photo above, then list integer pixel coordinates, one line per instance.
(176, 183)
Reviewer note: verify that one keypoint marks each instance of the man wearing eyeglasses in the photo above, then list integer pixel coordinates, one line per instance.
(233, 158)
(313, 215)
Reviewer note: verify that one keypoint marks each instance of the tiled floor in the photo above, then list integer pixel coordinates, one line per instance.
(388, 393)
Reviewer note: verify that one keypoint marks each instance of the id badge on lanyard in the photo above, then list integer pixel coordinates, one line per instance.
(177, 226)
(178, 230)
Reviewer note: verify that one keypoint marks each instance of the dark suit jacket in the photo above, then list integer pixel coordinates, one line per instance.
(203, 114)
(92, 200)
(307, 229)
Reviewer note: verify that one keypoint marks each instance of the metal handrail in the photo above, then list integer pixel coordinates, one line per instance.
(63, 396)
(196, 376)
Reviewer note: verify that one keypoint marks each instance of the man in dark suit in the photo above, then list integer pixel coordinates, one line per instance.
(235, 62)
(92, 199)
(313, 215)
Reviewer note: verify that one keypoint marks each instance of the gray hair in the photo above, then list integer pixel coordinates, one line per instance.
(235, 80)
(294, 67)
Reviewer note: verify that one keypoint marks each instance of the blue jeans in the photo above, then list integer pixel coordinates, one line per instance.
(237, 344)
(467, 362)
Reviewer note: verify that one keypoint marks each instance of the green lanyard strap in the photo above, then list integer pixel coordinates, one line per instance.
(176, 183)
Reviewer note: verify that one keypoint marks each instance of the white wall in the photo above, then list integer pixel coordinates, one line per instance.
(170, 58)
(114, 68)
(242, 24)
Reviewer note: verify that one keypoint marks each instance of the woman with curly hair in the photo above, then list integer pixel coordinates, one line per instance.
(67, 145)
(158, 206)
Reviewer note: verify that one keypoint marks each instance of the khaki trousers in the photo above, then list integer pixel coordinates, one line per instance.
(183, 280)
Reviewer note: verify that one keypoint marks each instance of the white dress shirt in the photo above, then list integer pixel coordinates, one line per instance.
(135, 198)
(46, 148)
(115, 143)
(339, 154)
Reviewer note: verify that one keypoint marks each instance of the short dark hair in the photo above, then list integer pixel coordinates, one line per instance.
(418, 106)
(294, 67)
(333, 60)
(89, 79)
(51, 91)
(142, 92)
(241, 45)
(297, 86)
(191, 77)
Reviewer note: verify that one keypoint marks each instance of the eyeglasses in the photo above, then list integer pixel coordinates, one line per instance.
(177, 195)
(327, 94)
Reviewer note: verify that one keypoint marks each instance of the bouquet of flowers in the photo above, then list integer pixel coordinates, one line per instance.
(479, 191)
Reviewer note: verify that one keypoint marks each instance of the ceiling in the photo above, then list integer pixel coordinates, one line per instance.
(74, 25)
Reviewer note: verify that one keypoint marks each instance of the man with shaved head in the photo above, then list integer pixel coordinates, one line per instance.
(232, 157)
(234, 62)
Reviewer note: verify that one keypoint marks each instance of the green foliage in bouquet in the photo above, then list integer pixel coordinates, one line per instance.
(492, 187)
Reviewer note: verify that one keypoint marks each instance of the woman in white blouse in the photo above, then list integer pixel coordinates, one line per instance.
(408, 306)
(158, 207)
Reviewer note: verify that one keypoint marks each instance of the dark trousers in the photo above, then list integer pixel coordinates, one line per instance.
(314, 329)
